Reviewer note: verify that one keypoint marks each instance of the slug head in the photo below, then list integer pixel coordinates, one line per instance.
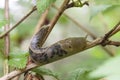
(73, 45)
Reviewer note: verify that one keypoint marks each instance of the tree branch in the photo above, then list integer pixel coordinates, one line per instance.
(111, 32)
(42, 20)
(18, 72)
(114, 43)
(7, 38)
(55, 19)
(28, 14)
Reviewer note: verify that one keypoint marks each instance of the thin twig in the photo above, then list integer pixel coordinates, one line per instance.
(28, 14)
(55, 19)
(18, 72)
(115, 31)
(109, 52)
(115, 43)
(42, 20)
(16, 78)
(7, 38)
(111, 32)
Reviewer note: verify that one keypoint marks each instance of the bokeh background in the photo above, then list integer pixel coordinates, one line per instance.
(99, 17)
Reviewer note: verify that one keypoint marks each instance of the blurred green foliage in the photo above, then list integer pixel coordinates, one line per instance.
(44, 71)
(18, 60)
(79, 74)
(90, 64)
(2, 23)
(1, 13)
(108, 70)
(42, 5)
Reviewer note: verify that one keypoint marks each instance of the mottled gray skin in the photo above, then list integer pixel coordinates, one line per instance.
(44, 55)
(56, 51)
(49, 54)
(37, 38)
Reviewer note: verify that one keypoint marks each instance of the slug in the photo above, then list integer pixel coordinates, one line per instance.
(58, 50)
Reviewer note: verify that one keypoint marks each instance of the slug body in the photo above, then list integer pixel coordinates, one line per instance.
(56, 51)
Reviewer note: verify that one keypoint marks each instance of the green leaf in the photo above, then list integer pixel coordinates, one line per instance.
(100, 6)
(109, 70)
(79, 74)
(63, 19)
(99, 53)
(18, 60)
(44, 71)
(112, 7)
(2, 23)
(96, 9)
(42, 5)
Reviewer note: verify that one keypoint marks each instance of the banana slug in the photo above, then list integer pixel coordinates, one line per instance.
(58, 50)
